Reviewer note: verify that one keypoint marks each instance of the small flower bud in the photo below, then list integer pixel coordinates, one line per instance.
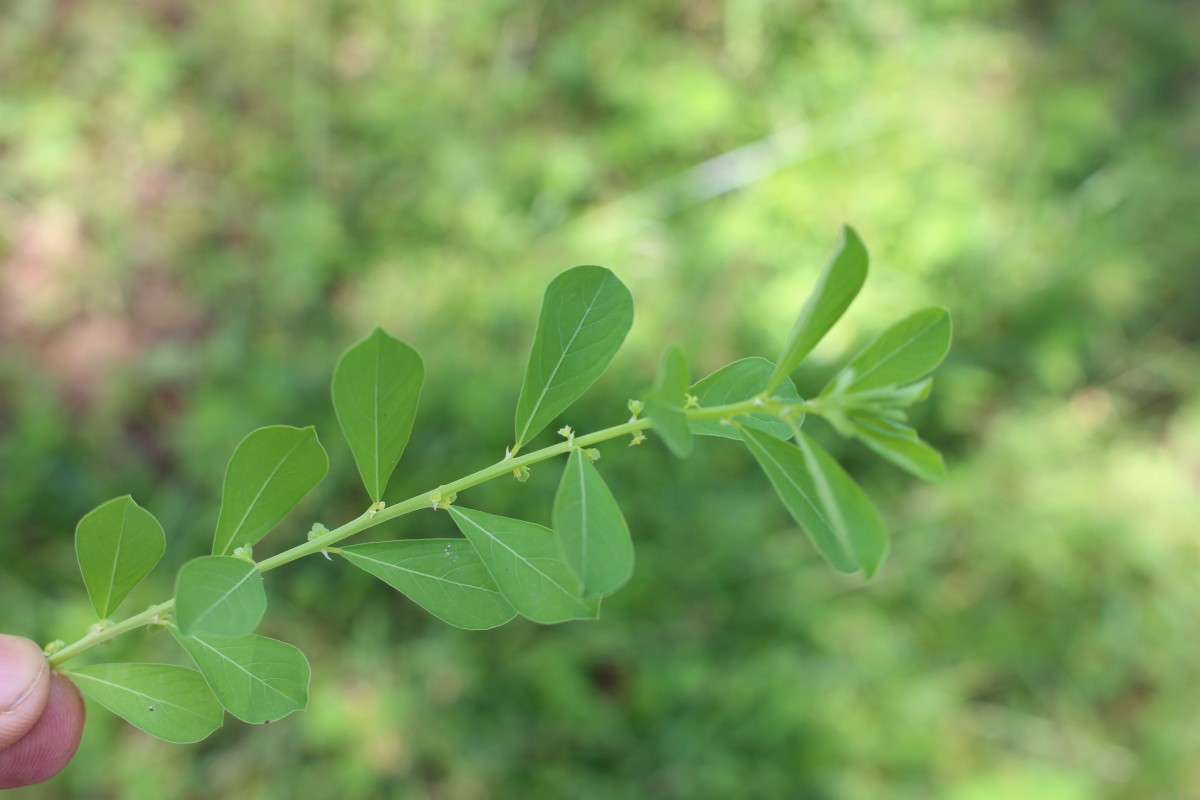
(565, 431)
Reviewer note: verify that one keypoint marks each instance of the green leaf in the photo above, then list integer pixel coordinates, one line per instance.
(527, 563)
(736, 383)
(586, 313)
(836, 288)
(118, 543)
(831, 508)
(219, 595)
(665, 403)
(444, 576)
(172, 703)
(907, 395)
(906, 351)
(899, 444)
(595, 538)
(255, 678)
(271, 470)
(376, 386)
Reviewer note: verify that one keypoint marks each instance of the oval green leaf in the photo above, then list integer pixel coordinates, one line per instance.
(595, 538)
(527, 563)
(219, 595)
(172, 703)
(585, 316)
(376, 388)
(837, 287)
(831, 508)
(899, 444)
(270, 472)
(905, 352)
(444, 576)
(255, 678)
(118, 543)
(665, 403)
(736, 383)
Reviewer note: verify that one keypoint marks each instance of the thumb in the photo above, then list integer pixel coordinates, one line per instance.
(24, 687)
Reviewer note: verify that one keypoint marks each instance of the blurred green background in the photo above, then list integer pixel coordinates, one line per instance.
(202, 204)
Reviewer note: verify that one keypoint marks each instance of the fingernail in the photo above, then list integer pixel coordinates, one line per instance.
(22, 668)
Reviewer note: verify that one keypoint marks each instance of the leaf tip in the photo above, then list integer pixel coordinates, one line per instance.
(851, 244)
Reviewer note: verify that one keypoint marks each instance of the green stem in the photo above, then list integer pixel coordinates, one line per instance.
(436, 498)
(150, 616)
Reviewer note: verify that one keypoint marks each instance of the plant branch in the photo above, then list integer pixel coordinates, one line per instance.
(436, 498)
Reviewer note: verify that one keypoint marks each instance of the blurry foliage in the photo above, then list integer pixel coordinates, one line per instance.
(201, 204)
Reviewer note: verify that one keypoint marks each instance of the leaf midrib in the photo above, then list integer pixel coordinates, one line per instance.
(126, 689)
(893, 354)
(390, 565)
(247, 576)
(583, 566)
(237, 664)
(546, 384)
(803, 494)
(112, 580)
(826, 492)
(249, 508)
(522, 559)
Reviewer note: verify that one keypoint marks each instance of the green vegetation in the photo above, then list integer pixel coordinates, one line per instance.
(504, 567)
(203, 204)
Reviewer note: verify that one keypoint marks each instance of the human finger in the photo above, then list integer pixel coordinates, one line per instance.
(49, 745)
(24, 687)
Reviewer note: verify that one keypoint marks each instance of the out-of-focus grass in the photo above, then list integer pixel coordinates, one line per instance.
(202, 204)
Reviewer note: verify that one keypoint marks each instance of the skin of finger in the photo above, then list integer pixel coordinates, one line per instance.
(47, 748)
(24, 687)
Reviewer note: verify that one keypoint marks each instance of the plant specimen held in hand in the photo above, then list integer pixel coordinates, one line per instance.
(501, 567)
